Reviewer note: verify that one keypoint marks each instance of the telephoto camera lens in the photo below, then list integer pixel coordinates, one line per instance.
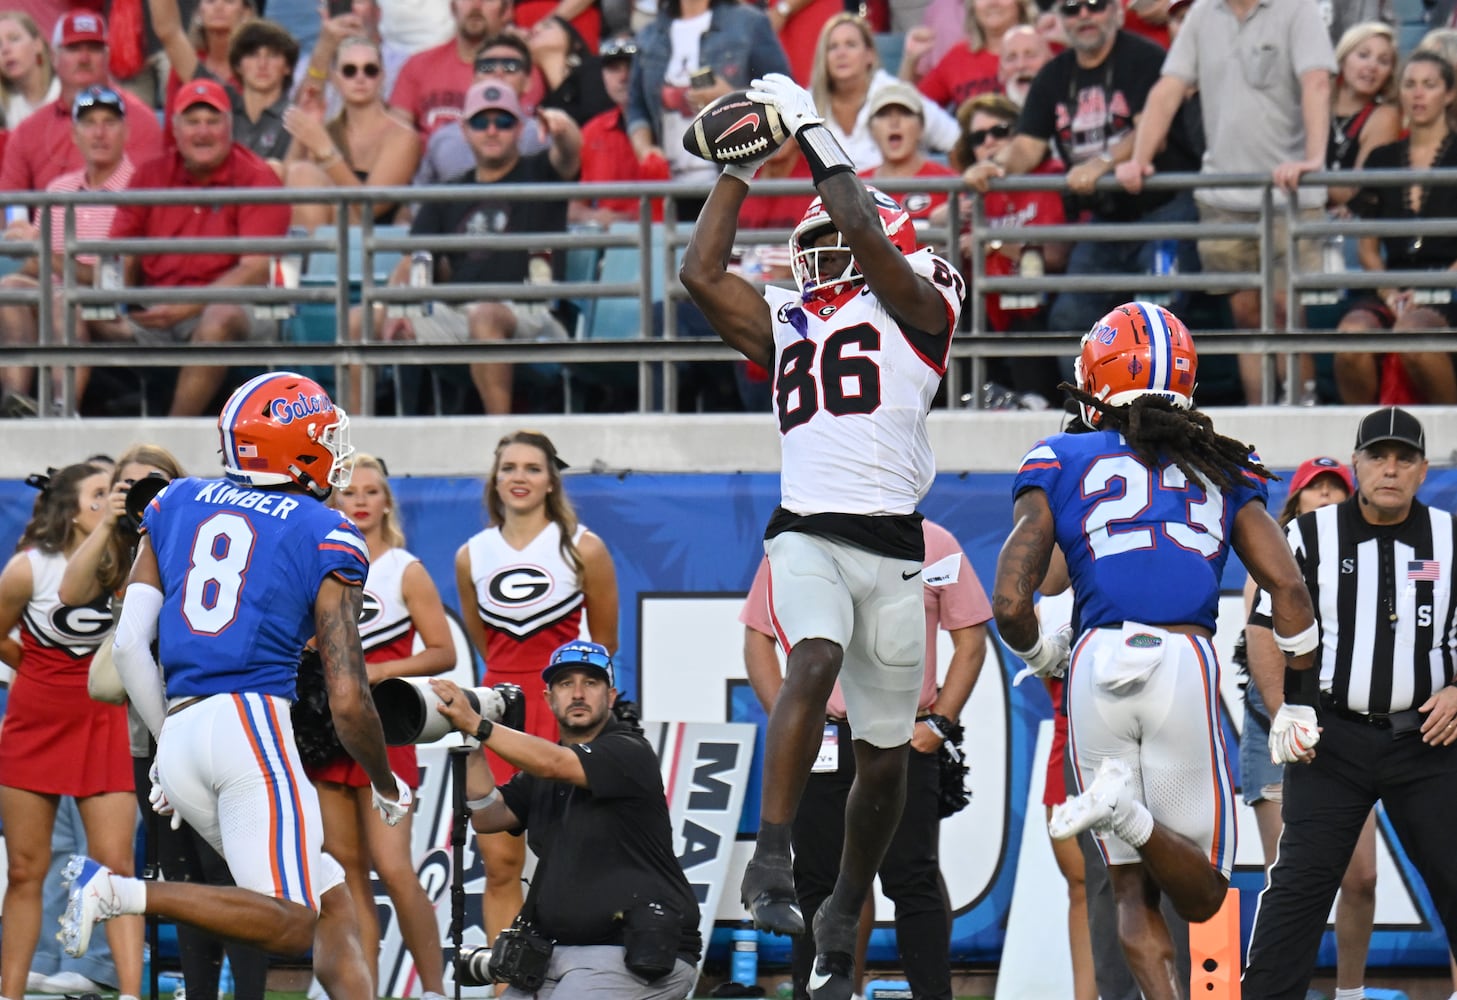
(470, 966)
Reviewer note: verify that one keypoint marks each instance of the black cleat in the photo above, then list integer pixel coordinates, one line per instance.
(832, 977)
(767, 892)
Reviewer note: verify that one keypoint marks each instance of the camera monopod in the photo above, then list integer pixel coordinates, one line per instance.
(459, 825)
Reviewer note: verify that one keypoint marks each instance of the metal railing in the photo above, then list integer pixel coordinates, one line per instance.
(658, 247)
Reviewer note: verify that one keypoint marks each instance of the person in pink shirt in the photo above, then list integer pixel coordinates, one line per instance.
(910, 873)
(41, 148)
(431, 86)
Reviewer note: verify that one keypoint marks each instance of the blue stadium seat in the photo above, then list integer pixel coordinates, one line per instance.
(621, 318)
(890, 46)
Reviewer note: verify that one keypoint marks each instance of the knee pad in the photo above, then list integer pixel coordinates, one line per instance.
(899, 638)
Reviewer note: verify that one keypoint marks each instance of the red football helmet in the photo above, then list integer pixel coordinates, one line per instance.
(814, 267)
(1138, 349)
(282, 428)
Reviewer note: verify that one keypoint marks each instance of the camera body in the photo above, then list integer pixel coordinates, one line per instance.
(520, 957)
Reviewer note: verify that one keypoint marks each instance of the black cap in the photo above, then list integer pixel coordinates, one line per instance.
(1391, 423)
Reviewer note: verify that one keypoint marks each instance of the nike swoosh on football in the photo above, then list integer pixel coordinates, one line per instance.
(911, 574)
(751, 119)
(817, 980)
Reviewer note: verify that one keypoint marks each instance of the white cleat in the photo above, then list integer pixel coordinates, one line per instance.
(1098, 807)
(92, 900)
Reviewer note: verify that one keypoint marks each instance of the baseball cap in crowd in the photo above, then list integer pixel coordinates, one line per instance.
(1175, 5)
(578, 654)
(78, 27)
(1324, 465)
(620, 47)
(898, 94)
(1391, 423)
(206, 92)
(490, 95)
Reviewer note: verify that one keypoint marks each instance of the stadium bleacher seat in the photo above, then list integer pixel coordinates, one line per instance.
(890, 46)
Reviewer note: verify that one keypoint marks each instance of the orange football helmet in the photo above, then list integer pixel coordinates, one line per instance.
(1138, 349)
(283, 428)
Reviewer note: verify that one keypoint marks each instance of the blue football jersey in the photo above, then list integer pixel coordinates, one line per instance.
(1142, 545)
(241, 570)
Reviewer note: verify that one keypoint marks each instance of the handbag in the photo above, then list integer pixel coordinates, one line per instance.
(103, 681)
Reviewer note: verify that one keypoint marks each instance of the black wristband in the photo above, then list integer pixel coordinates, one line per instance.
(823, 152)
(483, 731)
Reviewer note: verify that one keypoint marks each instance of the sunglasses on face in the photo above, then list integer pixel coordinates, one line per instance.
(496, 65)
(350, 70)
(1070, 8)
(981, 135)
(502, 121)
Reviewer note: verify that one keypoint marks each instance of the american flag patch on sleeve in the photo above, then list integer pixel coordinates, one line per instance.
(1423, 569)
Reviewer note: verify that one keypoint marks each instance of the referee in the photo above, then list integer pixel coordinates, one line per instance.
(1379, 569)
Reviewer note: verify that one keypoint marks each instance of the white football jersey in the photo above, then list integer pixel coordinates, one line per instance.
(851, 390)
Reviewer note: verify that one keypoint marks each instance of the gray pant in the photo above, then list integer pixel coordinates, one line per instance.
(597, 972)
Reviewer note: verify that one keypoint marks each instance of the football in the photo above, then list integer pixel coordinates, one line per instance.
(734, 129)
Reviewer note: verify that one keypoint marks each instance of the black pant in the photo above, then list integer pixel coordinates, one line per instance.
(1326, 804)
(910, 873)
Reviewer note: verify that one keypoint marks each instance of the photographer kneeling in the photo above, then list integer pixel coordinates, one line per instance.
(609, 899)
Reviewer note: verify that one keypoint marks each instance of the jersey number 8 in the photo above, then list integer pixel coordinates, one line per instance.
(216, 571)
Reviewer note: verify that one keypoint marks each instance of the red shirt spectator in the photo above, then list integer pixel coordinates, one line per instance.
(800, 32)
(240, 168)
(1158, 33)
(43, 148)
(961, 75)
(204, 157)
(588, 23)
(607, 155)
(432, 84)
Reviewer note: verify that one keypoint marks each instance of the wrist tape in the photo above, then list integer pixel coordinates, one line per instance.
(823, 152)
(1302, 642)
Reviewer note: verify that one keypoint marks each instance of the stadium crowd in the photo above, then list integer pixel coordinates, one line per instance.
(129, 94)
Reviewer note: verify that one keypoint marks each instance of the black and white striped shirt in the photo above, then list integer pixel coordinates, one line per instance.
(1384, 603)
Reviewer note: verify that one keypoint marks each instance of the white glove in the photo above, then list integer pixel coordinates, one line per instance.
(158, 798)
(1293, 734)
(1049, 658)
(795, 105)
(743, 171)
(397, 810)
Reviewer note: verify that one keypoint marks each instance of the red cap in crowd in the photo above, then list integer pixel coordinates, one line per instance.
(1312, 467)
(208, 92)
(78, 27)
